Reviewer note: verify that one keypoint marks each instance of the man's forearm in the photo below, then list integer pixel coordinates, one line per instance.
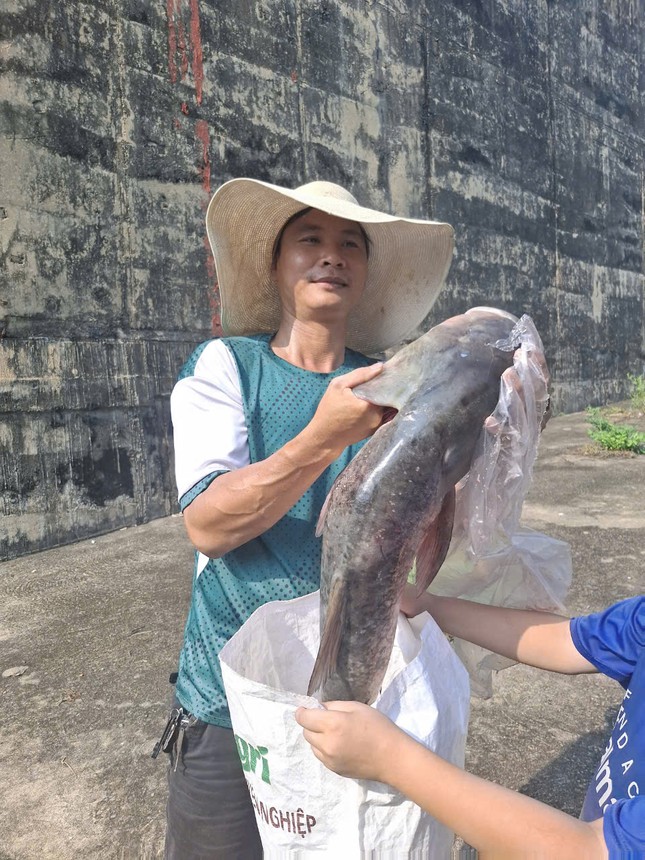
(240, 505)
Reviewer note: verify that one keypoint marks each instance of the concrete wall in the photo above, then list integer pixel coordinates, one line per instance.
(519, 121)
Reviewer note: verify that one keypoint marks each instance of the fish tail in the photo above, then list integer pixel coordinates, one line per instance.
(327, 659)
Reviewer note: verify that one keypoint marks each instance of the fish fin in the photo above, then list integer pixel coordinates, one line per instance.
(436, 542)
(327, 658)
(392, 387)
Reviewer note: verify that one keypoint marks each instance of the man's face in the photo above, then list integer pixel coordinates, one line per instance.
(321, 268)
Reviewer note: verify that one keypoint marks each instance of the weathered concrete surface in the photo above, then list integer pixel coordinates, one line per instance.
(521, 122)
(98, 626)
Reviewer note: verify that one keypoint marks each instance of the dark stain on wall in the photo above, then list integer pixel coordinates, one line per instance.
(521, 123)
(100, 476)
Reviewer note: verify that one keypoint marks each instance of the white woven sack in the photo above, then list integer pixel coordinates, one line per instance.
(302, 808)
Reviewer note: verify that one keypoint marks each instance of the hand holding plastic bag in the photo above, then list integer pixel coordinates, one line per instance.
(492, 559)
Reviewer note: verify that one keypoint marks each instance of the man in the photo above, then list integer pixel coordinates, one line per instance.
(311, 285)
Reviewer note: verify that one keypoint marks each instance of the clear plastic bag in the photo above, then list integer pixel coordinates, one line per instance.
(492, 559)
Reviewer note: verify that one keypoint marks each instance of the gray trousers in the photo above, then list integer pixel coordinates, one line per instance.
(209, 813)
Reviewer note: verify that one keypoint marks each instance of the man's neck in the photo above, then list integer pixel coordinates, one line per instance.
(312, 346)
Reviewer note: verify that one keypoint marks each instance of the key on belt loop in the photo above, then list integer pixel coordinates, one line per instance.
(168, 733)
(185, 722)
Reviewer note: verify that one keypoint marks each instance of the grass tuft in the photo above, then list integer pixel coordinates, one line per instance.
(614, 437)
(637, 392)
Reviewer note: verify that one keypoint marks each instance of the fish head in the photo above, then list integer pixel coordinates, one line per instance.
(418, 364)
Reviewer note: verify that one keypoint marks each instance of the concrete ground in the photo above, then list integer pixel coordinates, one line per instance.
(90, 632)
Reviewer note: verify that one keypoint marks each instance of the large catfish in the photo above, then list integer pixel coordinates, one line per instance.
(394, 503)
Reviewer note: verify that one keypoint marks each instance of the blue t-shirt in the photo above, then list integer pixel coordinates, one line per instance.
(614, 641)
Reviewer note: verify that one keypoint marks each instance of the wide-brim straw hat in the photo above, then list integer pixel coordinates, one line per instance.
(408, 260)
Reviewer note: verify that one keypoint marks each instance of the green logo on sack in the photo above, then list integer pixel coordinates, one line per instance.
(250, 756)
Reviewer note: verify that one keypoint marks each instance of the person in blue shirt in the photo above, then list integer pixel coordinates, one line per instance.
(356, 740)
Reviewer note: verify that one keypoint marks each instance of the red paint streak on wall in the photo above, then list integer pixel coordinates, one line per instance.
(172, 40)
(177, 44)
(178, 51)
(201, 133)
(196, 39)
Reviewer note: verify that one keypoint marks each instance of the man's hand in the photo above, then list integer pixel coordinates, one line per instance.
(343, 419)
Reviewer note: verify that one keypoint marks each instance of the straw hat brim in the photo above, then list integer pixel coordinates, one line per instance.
(408, 262)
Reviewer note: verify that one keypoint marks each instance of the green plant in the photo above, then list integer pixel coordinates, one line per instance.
(637, 391)
(614, 437)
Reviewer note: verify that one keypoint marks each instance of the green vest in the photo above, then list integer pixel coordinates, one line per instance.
(279, 401)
